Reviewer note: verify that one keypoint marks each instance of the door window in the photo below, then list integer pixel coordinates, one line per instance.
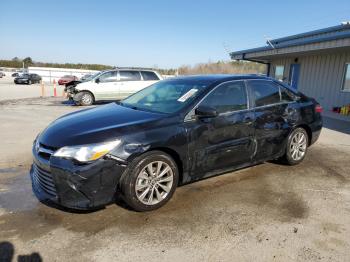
(264, 92)
(286, 95)
(108, 77)
(149, 76)
(227, 97)
(129, 75)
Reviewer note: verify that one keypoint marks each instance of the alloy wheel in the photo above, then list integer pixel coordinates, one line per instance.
(298, 146)
(154, 182)
(86, 99)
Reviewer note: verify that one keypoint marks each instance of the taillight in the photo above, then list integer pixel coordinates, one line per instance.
(318, 108)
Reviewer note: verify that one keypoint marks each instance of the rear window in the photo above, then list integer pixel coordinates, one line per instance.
(148, 76)
(265, 92)
(129, 75)
(286, 95)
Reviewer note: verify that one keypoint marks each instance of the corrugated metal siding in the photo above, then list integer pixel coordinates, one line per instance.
(315, 36)
(321, 77)
(267, 54)
(284, 62)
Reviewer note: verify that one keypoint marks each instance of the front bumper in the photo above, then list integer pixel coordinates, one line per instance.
(75, 186)
(21, 81)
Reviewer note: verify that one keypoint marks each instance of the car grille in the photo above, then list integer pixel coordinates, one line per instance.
(43, 179)
(46, 151)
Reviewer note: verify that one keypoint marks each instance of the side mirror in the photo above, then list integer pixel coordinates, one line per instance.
(97, 80)
(205, 112)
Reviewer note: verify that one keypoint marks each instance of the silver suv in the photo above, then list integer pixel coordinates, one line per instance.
(113, 84)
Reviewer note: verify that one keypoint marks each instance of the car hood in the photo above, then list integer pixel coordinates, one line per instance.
(95, 125)
(83, 85)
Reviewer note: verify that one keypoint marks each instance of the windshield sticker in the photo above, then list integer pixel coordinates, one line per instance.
(187, 95)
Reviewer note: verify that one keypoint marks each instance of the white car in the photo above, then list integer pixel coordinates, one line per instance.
(113, 84)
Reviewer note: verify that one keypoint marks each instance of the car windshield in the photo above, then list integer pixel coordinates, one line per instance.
(90, 77)
(167, 96)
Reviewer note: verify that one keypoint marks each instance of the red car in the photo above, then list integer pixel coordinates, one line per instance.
(66, 79)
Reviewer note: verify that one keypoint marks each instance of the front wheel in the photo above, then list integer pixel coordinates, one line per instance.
(297, 145)
(150, 181)
(29, 82)
(85, 98)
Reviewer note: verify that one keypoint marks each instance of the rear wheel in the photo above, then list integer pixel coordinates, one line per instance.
(150, 181)
(297, 145)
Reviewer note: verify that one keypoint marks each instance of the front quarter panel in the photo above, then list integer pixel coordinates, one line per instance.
(167, 135)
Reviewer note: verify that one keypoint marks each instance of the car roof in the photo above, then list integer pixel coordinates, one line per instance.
(220, 77)
(130, 69)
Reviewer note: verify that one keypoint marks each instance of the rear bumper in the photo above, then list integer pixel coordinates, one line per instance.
(74, 186)
(315, 136)
(316, 128)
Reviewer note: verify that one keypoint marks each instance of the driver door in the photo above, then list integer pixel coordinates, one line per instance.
(225, 141)
(106, 87)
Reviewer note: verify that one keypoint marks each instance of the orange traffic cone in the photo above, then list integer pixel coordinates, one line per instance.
(54, 88)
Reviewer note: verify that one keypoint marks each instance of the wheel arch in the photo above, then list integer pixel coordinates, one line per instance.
(87, 91)
(308, 131)
(175, 155)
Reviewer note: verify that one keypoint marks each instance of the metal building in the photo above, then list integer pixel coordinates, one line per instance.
(316, 63)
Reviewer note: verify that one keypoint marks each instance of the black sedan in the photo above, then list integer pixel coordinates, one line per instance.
(27, 79)
(171, 133)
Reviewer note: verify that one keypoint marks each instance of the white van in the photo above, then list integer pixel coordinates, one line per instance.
(113, 84)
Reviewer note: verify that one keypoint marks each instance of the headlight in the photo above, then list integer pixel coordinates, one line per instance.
(85, 153)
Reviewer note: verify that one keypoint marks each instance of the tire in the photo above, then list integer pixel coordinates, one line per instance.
(29, 82)
(85, 98)
(143, 192)
(296, 148)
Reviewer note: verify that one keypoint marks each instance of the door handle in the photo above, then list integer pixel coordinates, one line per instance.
(248, 120)
(288, 112)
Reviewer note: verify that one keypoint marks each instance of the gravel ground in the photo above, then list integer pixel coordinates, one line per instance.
(268, 212)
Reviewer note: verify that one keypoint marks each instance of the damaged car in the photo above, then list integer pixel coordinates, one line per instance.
(112, 85)
(173, 132)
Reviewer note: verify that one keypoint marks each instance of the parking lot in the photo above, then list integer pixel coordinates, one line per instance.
(268, 212)
(8, 90)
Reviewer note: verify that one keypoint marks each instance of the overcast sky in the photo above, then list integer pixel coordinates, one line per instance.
(153, 33)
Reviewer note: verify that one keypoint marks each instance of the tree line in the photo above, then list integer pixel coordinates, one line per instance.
(220, 67)
(223, 67)
(28, 61)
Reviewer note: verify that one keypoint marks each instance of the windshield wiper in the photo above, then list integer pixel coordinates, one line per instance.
(127, 105)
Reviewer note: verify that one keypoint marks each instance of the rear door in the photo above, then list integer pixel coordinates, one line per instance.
(225, 141)
(149, 78)
(271, 112)
(129, 82)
